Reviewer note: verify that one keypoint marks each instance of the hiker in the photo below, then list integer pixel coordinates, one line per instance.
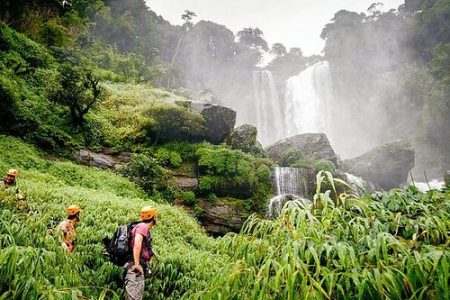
(9, 181)
(68, 228)
(137, 264)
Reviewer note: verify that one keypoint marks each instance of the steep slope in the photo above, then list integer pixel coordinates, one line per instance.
(32, 265)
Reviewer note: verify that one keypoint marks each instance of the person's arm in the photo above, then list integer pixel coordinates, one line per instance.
(138, 239)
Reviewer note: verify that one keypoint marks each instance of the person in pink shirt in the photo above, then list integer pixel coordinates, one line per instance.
(137, 265)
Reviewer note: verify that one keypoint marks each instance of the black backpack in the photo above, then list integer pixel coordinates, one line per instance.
(118, 247)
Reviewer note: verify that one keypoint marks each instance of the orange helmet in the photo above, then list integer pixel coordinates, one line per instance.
(147, 213)
(73, 209)
(13, 172)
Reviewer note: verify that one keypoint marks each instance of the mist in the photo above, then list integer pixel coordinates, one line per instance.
(377, 87)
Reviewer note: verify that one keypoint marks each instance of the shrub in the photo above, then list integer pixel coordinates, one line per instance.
(168, 158)
(290, 157)
(188, 198)
(303, 163)
(212, 198)
(173, 123)
(232, 173)
(324, 165)
(147, 173)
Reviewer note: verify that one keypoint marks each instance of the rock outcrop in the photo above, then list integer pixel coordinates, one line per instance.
(220, 219)
(387, 165)
(220, 120)
(103, 160)
(315, 145)
(93, 159)
(244, 138)
(185, 183)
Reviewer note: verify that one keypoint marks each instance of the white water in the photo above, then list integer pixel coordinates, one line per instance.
(267, 109)
(308, 101)
(289, 181)
(359, 185)
(433, 185)
(290, 184)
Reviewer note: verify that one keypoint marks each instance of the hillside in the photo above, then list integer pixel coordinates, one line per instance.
(32, 264)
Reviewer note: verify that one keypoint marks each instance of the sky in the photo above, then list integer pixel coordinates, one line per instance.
(294, 23)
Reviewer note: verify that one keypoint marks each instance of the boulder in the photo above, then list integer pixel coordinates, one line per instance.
(315, 145)
(221, 219)
(99, 160)
(244, 138)
(102, 160)
(220, 120)
(387, 165)
(186, 183)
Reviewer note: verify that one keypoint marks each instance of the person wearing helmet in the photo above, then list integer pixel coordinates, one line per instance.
(9, 181)
(140, 243)
(68, 228)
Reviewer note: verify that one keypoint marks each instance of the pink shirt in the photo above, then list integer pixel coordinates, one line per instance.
(142, 228)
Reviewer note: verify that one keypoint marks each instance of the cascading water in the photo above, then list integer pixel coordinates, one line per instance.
(289, 184)
(267, 108)
(308, 101)
(359, 185)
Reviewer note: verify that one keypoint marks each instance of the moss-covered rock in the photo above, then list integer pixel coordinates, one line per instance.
(312, 145)
(227, 215)
(244, 138)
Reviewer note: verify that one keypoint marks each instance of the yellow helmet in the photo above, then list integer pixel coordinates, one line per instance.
(73, 209)
(13, 172)
(147, 213)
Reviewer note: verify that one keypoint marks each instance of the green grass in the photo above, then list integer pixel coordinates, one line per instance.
(32, 265)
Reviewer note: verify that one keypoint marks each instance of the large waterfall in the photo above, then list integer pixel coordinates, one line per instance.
(306, 107)
(289, 184)
(308, 99)
(267, 110)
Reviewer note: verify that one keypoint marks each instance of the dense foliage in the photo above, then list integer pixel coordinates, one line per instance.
(231, 173)
(385, 246)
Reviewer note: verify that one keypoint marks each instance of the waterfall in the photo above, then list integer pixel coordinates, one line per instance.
(308, 99)
(305, 108)
(291, 181)
(289, 184)
(359, 185)
(267, 110)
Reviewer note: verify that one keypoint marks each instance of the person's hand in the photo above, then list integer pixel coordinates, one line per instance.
(137, 269)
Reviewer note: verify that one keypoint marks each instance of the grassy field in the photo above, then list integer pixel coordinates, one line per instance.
(32, 265)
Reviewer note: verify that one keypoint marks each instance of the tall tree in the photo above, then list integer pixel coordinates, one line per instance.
(278, 49)
(187, 17)
(253, 38)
